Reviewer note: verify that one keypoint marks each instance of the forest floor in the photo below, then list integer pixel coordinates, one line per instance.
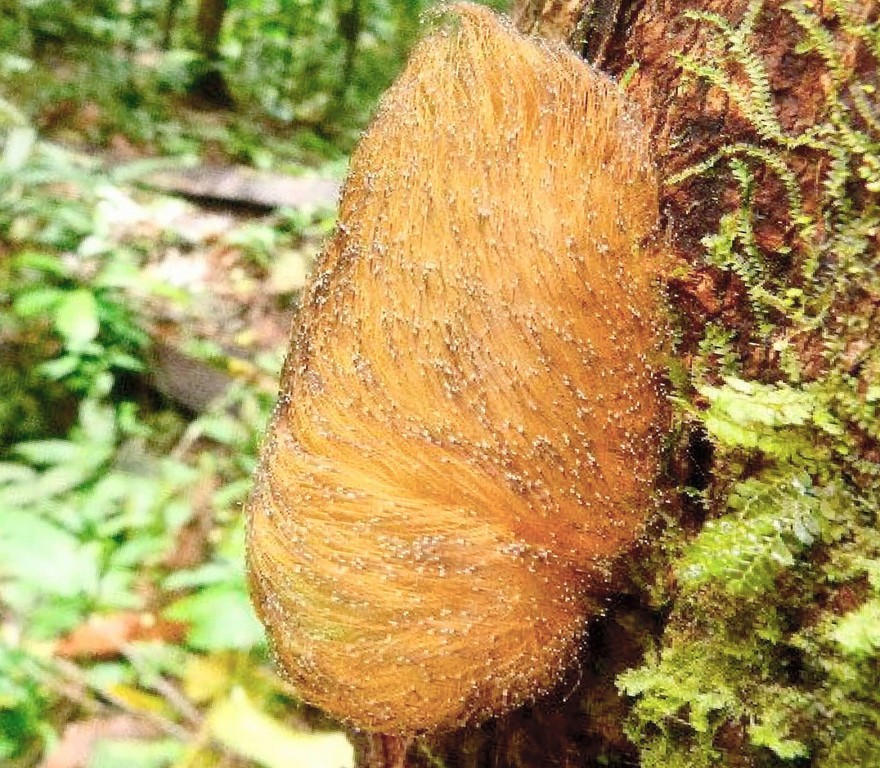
(142, 335)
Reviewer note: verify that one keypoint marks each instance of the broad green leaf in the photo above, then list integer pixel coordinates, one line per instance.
(134, 753)
(98, 421)
(53, 482)
(241, 727)
(220, 618)
(49, 263)
(224, 429)
(37, 301)
(19, 145)
(45, 452)
(101, 385)
(60, 367)
(76, 317)
(44, 557)
(859, 631)
(93, 245)
(126, 362)
(143, 549)
(118, 589)
(16, 473)
(210, 573)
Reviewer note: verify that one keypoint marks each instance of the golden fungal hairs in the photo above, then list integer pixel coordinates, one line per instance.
(468, 425)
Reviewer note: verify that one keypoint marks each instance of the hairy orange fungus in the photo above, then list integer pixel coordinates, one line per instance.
(466, 433)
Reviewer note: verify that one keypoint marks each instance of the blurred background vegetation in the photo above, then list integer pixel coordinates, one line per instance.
(141, 334)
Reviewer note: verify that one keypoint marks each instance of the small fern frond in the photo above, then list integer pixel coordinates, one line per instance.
(818, 40)
(746, 26)
(867, 32)
(867, 111)
(771, 158)
(697, 169)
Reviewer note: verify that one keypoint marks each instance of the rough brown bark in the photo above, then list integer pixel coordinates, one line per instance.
(581, 723)
(691, 120)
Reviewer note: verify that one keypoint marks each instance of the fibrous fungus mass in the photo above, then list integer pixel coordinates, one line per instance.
(466, 433)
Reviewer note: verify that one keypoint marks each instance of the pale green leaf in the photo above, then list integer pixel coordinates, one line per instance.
(859, 631)
(76, 317)
(44, 557)
(19, 146)
(220, 618)
(135, 753)
(242, 728)
(772, 736)
(46, 452)
(37, 301)
(98, 421)
(53, 482)
(60, 367)
(16, 473)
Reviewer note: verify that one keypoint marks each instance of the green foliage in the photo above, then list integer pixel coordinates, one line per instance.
(97, 520)
(68, 321)
(98, 488)
(114, 506)
(303, 76)
(754, 645)
(252, 733)
(22, 704)
(217, 608)
(772, 649)
(755, 97)
(848, 135)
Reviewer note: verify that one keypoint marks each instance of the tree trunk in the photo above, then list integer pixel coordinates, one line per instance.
(349, 25)
(169, 19)
(210, 88)
(656, 48)
(209, 22)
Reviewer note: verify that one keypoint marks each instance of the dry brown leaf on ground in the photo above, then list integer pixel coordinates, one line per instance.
(107, 635)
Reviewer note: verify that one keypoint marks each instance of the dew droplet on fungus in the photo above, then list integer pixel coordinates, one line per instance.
(466, 432)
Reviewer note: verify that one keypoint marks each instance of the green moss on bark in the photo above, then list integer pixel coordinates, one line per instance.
(771, 652)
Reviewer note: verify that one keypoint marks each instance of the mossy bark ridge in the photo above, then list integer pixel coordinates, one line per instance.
(468, 428)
